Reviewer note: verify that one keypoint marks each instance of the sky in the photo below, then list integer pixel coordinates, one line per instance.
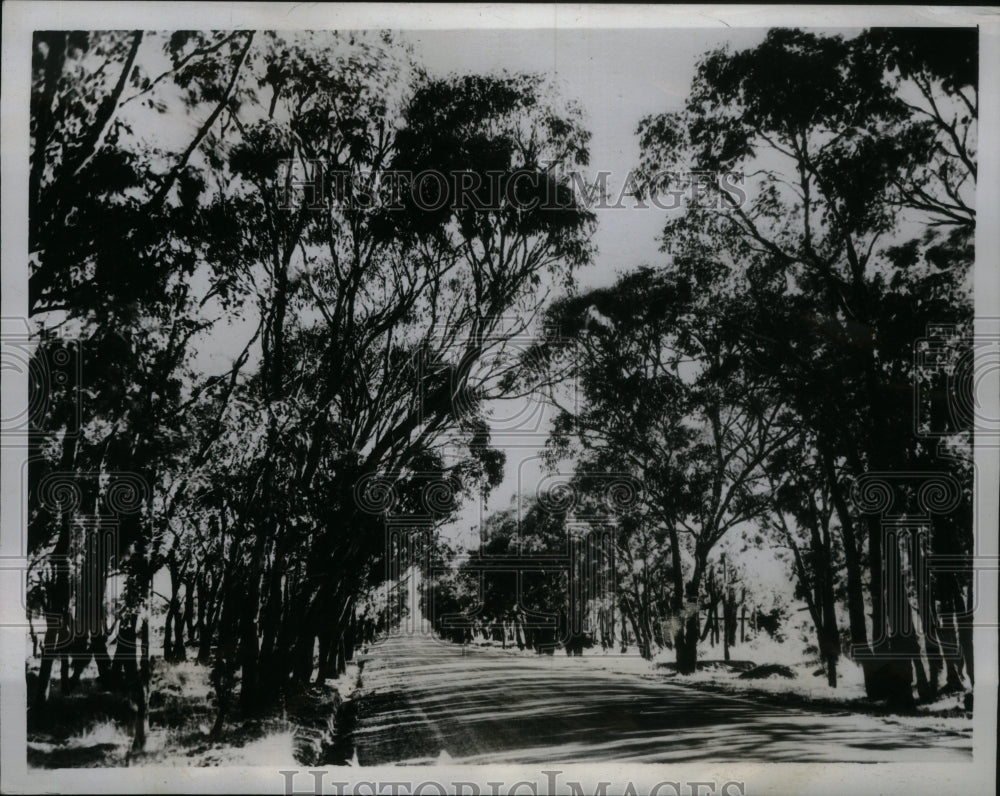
(618, 77)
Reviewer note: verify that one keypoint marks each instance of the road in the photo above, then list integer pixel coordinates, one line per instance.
(424, 701)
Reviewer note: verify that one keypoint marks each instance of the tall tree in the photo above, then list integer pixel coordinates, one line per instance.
(844, 163)
(662, 396)
(112, 252)
(384, 315)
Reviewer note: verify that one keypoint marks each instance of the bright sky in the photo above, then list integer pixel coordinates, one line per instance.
(618, 77)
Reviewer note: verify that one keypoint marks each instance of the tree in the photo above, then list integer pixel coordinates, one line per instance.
(843, 158)
(662, 396)
(374, 333)
(802, 521)
(111, 255)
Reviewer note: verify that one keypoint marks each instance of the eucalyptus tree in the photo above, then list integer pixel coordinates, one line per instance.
(852, 144)
(802, 521)
(385, 310)
(662, 396)
(115, 237)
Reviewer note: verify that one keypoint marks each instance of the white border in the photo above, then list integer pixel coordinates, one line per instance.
(21, 18)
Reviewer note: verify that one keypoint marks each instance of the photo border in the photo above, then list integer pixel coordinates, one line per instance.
(21, 18)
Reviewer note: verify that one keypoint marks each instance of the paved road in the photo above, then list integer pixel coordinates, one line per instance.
(422, 697)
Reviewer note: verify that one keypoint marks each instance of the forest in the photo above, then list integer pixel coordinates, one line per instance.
(254, 362)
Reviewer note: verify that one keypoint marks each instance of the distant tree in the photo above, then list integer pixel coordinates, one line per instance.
(663, 397)
(533, 603)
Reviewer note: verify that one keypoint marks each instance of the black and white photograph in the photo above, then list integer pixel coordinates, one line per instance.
(499, 399)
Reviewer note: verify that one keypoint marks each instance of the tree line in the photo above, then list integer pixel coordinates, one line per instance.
(770, 378)
(370, 339)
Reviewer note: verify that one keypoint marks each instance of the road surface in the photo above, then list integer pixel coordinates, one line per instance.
(425, 701)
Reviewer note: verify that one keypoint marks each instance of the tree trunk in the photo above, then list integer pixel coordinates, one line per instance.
(206, 635)
(898, 644)
(249, 648)
(209, 613)
(965, 629)
(687, 646)
(180, 653)
(728, 610)
(189, 616)
(272, 611)
(640, 638)
(226, 657)
(855, 590)
(168, 633)
(140, 691)
(203, 610)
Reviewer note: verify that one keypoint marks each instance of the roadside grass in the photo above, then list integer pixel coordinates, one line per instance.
(806, 690)
(92, 727)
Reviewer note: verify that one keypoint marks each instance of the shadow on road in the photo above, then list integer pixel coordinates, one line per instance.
(423, 697)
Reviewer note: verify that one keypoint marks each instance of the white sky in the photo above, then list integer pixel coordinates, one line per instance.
(618, 77)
